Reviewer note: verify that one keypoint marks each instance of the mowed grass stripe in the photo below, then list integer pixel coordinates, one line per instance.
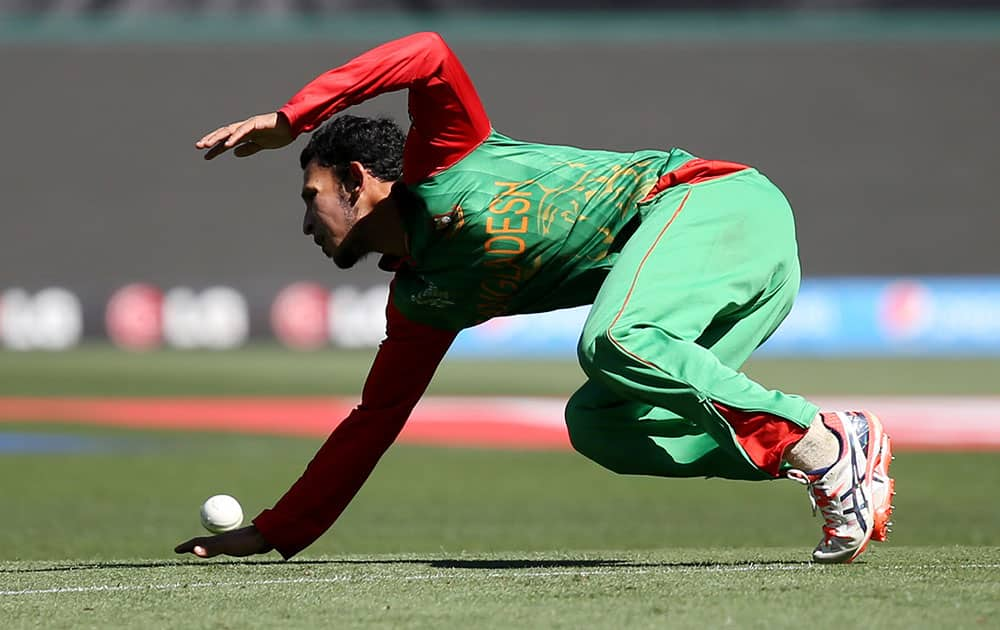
(389, 577)
(749, 568)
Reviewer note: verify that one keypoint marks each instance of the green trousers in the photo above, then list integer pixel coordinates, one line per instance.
(708, 276)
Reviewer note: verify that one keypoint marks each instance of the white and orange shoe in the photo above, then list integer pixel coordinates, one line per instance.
(855, 493)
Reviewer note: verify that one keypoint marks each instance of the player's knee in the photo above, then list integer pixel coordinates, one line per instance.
(606, 344)
(585, 354)
(617, 353)
(605, 358)
(600, 356)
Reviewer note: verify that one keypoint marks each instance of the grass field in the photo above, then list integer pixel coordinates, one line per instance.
(264, 370)
(677, 588)
(463, 537)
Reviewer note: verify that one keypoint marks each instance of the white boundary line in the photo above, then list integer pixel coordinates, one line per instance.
(465, 574)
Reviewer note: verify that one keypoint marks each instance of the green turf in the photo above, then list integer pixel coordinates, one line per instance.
(907, 587)
(268, 370)
(468, 538)
(141, 499)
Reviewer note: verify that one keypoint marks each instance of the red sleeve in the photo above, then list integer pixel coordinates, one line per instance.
(447, 118)
(403, 368)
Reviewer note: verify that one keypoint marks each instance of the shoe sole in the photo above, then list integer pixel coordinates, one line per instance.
(883, 513)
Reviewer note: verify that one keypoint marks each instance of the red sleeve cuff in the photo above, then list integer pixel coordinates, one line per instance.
(294, 121)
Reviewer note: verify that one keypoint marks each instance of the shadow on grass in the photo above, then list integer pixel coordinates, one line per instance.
(585, 564)
(491, 565)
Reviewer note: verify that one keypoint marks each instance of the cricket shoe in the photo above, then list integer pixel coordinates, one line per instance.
(855, 494)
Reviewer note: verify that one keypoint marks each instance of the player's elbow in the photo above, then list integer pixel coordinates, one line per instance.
(432, 44)
(431, 40)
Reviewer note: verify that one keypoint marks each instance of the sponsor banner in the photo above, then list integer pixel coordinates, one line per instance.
(892, 316)
(50, 319)
(957, 316)
(142, 317)
(831, 317)
(302, 316)
(551, 334)
(308, 316)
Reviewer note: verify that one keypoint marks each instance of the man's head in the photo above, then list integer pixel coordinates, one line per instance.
(348, 168)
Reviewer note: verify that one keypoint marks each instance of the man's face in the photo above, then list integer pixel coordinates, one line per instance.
(330, 215)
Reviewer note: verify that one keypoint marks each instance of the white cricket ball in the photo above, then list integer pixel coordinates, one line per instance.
(221, 513)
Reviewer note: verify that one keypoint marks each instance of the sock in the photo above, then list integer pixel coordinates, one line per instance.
(817, 451)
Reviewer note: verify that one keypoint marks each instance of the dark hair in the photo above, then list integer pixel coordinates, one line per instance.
(375, 142)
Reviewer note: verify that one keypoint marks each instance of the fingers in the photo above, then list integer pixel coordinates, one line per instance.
(203, 547)
(225, 138)
(246, 127)
(246, 541)
(205, 552)
(187, 546)
(220, 134)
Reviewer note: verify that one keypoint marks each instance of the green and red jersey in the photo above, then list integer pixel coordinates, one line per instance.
(515, 227)
(500, 227)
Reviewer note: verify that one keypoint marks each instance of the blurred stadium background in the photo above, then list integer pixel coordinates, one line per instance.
(131, 268)
(879, 124)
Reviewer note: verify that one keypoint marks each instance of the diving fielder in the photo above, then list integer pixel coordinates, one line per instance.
(690, 265)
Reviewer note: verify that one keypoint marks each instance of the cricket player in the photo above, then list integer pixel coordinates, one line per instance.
(690, 264)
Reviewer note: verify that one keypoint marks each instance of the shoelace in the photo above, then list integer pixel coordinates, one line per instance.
(832, 514)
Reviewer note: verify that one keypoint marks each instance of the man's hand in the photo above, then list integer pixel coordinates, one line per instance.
(264, 131)
(245, 541)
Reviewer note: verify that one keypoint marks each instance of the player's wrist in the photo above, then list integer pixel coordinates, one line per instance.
(286, 121)
(260, 542)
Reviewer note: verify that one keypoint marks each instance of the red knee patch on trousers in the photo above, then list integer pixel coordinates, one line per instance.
(763, 436)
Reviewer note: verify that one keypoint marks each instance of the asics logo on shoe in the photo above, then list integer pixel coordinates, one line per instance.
(858, 502)
(857, 437)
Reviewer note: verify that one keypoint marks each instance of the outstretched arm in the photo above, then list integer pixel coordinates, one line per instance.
(447, 117)
(403, 368)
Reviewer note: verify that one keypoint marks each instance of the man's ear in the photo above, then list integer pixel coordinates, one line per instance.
(356, 174)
